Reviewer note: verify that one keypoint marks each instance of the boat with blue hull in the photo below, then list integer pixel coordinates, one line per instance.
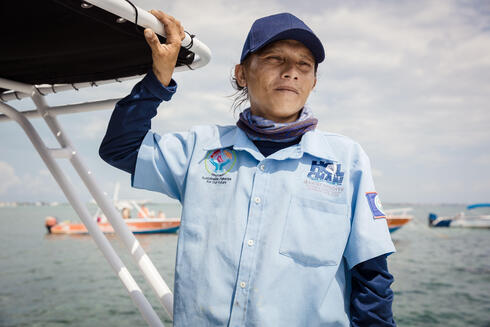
(476, 216)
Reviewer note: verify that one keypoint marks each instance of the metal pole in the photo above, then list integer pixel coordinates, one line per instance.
(150, 272)
(69, 109)
(104, 245)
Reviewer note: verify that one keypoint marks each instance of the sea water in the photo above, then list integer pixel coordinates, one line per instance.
(442, 276)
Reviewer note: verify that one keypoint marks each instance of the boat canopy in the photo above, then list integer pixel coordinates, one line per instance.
(478, 205)
(71, 41)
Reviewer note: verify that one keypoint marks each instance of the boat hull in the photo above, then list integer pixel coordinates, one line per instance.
(460, 220)
(137, 226)
(395, 223)
(464, 223)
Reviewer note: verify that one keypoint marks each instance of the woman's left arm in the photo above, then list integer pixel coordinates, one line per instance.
(371, 296)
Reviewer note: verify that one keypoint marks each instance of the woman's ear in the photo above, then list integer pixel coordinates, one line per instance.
(240, 75)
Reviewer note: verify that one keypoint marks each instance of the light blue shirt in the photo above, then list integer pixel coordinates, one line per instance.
(265, 241)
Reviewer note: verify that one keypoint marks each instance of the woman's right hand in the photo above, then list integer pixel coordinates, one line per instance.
(165, 55)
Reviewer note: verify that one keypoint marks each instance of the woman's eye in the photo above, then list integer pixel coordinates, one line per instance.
(273, 58)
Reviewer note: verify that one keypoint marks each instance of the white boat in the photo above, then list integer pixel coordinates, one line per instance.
(469, 219)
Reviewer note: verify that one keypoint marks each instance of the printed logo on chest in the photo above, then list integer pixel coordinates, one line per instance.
(325, 177)
(218, 163)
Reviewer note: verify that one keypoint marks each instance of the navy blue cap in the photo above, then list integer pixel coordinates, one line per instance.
(283, 26)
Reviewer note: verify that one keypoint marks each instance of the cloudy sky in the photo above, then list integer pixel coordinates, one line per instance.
(409, 80)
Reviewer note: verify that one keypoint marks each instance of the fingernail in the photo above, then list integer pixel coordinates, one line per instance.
(148, 33)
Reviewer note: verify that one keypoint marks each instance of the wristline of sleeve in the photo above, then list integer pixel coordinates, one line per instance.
(152, 84)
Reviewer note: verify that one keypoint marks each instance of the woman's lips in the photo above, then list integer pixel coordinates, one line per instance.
(287, 89)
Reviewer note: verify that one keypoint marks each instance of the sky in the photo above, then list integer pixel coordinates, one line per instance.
(408, 80)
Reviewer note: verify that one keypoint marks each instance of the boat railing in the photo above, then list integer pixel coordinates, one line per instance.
(396, 212)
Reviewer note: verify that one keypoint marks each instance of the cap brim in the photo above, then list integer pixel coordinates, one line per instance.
(307, 38)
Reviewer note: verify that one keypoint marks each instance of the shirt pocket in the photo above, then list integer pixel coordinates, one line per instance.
(315, 232)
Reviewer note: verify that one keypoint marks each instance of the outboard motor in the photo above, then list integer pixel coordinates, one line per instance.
(432, 218)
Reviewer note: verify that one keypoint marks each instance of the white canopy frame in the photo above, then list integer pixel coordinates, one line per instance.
(147, 20)
(45, 89)
(19, 90)
(68, 151)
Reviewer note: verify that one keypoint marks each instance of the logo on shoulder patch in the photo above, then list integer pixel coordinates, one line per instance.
(375, 205)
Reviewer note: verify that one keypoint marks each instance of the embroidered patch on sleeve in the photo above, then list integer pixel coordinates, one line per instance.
(375, 205)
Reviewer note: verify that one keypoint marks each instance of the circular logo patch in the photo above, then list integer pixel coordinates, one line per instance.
(219, 162)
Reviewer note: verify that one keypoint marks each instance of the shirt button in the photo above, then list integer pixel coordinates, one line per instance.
(243, 284)
(250, 242)
(262, 167)
(257, 200)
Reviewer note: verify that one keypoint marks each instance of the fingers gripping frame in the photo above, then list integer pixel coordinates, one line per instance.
(146, 20)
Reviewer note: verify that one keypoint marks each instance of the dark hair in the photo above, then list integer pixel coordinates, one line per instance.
(241, 92)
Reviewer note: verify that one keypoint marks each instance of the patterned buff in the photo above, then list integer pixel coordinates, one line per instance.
(261, 129)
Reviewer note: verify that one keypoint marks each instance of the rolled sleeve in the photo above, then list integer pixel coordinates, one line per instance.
(369, 236)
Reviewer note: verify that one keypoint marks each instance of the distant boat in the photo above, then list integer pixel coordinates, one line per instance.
(463, 219)
(397, 218)
(146, 223)
(135, 225)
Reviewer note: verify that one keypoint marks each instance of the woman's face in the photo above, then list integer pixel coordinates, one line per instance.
(279, 79)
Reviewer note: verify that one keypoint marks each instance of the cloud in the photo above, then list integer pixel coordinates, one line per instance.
(482, 159)
(33, 186)
(8, 177)
(377, 172)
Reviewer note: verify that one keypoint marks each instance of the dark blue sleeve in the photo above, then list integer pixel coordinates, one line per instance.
(131, 120)
(371, 296)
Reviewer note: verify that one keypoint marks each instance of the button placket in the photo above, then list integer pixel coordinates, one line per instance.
(247, 258)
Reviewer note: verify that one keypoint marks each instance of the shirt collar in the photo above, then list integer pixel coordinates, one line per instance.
(223, 137)
(312, 142)
(316, 144)
(233, 137)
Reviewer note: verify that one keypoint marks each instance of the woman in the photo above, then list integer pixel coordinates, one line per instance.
(280, 224)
